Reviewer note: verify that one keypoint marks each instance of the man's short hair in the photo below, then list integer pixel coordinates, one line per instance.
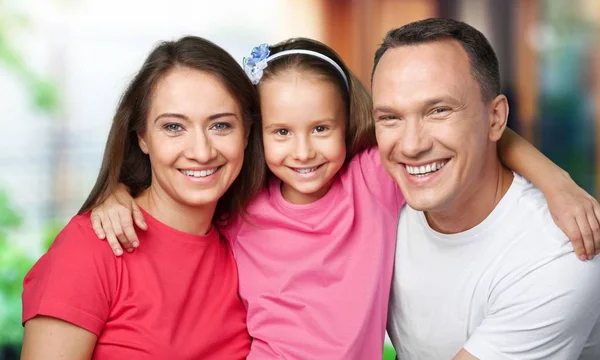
(483, 60)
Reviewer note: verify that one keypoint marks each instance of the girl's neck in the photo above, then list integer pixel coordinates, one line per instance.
(296, 197)
(190, 219)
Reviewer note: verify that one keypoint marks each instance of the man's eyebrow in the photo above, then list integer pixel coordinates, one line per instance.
(426, 102)
(385, 109)
(437, 100)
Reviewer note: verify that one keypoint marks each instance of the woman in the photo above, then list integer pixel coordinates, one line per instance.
(178, 141)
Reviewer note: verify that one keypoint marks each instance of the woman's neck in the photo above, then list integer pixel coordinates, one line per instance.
(187, 218)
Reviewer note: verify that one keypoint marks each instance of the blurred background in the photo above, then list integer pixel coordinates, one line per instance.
(64, 64)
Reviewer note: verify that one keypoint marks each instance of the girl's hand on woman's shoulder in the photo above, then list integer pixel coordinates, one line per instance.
(113, 220)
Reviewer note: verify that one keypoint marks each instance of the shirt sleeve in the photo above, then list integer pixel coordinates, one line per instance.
(544, 310)
(379, 182)
(75, 281)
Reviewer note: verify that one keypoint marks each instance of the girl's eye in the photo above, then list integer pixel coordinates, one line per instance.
(282, 132)
(320, 128)
(221, 126)
(173, 127)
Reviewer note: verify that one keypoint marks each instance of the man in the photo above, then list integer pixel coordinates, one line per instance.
(482, 271)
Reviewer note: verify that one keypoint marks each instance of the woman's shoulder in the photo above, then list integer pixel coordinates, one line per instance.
(78, 238)
(75, 281)
(77, 255)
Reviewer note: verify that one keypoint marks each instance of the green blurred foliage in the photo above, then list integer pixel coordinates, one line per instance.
(389, 353)
(43, 91)
(14, 263)
(51, 230)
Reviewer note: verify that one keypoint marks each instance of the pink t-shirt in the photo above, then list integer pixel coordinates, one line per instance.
(316, 278)
(176, 297)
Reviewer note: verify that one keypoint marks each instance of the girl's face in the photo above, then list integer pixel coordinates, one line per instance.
(194, 137)
(303, 128)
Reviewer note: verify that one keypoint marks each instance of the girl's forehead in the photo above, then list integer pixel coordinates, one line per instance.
(300, 94)
(297, 86)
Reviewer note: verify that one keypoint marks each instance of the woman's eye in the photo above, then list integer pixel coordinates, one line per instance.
(173, 127)
(221, 126)
(282, 132)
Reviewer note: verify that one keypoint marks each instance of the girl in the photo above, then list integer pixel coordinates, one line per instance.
(177, 141)
(315, 255)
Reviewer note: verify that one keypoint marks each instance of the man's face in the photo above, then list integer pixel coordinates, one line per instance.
(433, 128)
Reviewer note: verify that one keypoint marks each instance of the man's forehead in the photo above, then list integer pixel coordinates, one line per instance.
(441, 67)
(423, 59)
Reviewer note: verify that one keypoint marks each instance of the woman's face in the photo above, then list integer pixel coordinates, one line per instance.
(194, 138)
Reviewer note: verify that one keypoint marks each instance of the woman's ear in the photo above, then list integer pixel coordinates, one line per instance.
(142, 143)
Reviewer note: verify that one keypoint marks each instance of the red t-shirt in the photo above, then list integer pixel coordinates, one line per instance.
(176, 297)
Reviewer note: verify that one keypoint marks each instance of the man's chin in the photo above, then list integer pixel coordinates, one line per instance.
(423, 200)
(419, 206)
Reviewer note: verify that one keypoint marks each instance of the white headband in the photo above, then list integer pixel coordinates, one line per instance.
(254, 66)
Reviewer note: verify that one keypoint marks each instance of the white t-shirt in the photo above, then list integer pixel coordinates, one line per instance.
(509, 288)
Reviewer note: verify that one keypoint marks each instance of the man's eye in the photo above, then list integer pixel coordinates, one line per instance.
(440, 110)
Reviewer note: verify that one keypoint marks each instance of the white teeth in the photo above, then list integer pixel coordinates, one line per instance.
(307, 170)
(199, 173)
(425, 169)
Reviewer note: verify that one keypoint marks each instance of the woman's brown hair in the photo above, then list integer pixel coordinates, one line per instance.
(124, 162)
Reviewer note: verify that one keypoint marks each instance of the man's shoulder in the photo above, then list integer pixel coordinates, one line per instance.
(521, 220)
(529, 218)
(535, 242)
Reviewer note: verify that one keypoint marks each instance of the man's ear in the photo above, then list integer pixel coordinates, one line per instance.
(498, 114)
(142, 143)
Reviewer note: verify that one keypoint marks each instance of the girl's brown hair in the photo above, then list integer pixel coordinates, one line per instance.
(124, 162)
(360, 130)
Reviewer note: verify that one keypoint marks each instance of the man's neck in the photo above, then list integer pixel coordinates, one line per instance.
(475, 204)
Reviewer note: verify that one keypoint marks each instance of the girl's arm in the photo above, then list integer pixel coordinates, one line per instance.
(50, 338)
(575, 211)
